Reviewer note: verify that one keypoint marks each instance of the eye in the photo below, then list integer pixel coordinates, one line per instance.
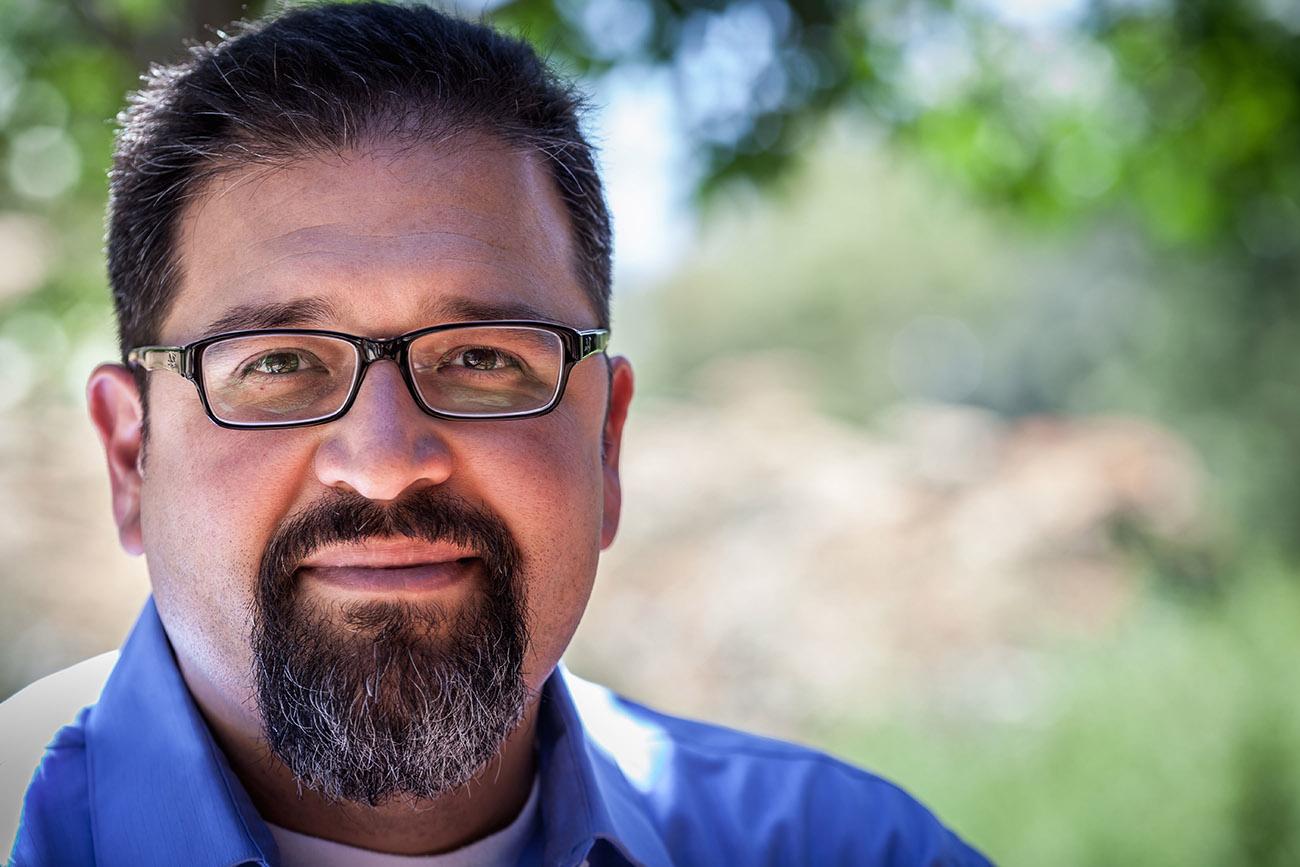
(480, 358)
(279, 363)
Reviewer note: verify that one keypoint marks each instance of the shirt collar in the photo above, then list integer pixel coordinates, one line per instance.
(160, 785)
(586, 796)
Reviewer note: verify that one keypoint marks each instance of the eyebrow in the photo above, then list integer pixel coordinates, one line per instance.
(274, 314)
(466, 309)
(320, 311)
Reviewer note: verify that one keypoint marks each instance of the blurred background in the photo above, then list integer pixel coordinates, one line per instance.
(968, 349)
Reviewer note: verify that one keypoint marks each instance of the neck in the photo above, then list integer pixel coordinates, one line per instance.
(400, 826)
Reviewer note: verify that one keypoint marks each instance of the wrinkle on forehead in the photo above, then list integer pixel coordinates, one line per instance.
(330, 267)
(309, 234)
(337, 239)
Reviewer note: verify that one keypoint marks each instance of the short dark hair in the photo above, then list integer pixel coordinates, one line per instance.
(322, 79)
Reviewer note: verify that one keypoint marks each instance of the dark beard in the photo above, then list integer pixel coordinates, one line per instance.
(372, 700)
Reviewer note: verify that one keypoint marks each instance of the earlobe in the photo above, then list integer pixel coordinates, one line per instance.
(620, 397)
(116, 412)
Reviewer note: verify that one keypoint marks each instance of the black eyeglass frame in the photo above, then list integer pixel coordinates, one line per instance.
(579, 344)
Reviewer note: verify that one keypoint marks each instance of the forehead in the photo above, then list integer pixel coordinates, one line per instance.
(380, 240)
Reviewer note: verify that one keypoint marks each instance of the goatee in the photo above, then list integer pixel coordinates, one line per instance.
(368, 701)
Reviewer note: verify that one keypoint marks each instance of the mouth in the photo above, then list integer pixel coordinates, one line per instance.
(389, 566)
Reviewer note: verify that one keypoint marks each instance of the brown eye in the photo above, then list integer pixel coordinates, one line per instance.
(276, 362)
(482, 358)
(280, 363)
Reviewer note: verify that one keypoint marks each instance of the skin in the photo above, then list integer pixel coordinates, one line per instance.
(389, 237)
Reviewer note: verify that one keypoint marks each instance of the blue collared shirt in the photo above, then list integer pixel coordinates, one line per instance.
(138, 780)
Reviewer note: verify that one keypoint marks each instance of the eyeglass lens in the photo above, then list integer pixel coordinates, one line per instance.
(477, 371)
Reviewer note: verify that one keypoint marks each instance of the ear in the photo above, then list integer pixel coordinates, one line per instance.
(620, 396)
(116, 412)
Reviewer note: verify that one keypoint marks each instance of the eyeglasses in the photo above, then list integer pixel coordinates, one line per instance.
(295, 377)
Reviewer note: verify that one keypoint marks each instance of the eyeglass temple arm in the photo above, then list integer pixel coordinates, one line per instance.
(591, 342)
(171, 358)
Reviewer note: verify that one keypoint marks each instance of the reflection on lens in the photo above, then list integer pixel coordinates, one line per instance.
(487, 370)
(277, 378)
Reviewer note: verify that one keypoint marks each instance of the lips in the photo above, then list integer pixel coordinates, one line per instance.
(390, 565)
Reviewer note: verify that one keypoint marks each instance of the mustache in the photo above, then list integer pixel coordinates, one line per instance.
(425, 515)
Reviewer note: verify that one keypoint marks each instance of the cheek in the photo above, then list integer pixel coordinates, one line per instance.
(548, 489)
(215, 491)
(209, 504)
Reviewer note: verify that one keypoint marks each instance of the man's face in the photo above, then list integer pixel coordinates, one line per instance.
(381, 242)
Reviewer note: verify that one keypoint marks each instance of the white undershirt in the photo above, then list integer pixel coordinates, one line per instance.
(501, 849)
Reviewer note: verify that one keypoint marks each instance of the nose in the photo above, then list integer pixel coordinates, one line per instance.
(385, 443)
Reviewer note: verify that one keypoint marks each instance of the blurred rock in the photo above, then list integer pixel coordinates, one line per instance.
(777, 566)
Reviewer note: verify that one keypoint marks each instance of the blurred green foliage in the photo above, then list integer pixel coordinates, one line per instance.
(1173, 741)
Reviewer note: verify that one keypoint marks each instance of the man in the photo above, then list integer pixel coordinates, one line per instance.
(368, 439)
